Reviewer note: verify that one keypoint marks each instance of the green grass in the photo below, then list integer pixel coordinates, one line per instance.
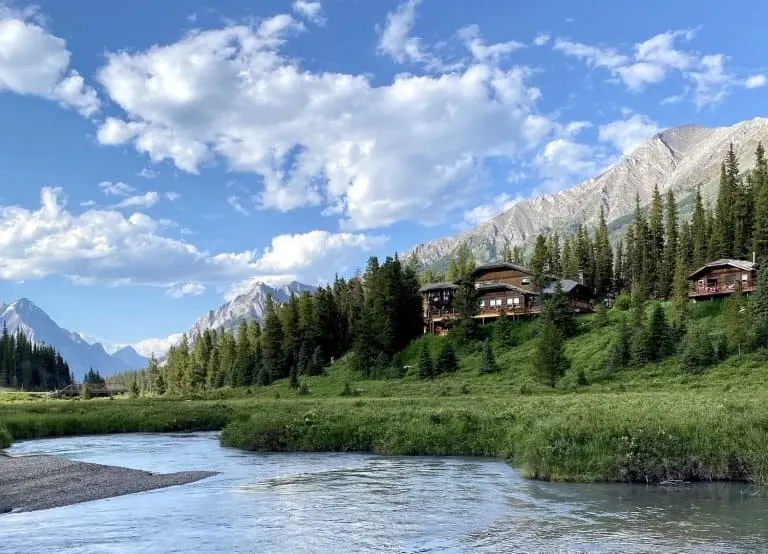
(643, 424)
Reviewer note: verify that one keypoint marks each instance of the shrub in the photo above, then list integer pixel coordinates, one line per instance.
(5, 438)
(623, 302)
(303, 390)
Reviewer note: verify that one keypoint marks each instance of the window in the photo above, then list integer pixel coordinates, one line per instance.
(517, 300)
(525, 281)
(482, 303)
(745, 277)
(509, 300)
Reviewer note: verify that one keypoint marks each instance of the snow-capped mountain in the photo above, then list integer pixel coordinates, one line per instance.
(246, 307)
(678, 159)
(80, 355)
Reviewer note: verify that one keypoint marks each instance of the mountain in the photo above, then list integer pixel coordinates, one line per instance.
(246, 307)
(678, 159)
(80, 355)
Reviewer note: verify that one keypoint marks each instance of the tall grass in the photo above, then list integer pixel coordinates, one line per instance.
(50, 418)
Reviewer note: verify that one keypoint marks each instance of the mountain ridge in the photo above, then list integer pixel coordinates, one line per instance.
(23, 314)
(677, 159)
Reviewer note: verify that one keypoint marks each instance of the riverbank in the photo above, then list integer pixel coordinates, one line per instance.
(29, 483)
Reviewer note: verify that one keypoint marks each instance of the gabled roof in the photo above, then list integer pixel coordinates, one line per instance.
(567, 285)
(498, 285)
(500, 265)
(744, 265)
(439, 286)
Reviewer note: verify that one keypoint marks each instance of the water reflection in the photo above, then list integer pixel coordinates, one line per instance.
(365, 503)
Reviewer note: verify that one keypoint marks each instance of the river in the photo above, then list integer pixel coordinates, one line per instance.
(337, 503)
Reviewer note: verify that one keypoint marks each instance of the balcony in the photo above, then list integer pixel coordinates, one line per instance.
(699, 291)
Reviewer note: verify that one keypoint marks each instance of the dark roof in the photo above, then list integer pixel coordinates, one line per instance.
(439, 286)
(738, 264)
(567, 284)
(498, 285)
(500, 265)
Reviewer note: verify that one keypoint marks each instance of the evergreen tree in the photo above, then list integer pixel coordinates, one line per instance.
(655, 253)
(603, 259)
(272, 341)
(618, 355)
(425, 367)
(669, 261)
(293, 379)
(550, 361)
(618, 268)
(659, 335)
(760, 192)
(738, 327)
(725, 210)
(759, 307)
(539, 261)
(680, 290)
(488, 363)
(447, 362)
(135, 388)
(699, 233)
(558, 310)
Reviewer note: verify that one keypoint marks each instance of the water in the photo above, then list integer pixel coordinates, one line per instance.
(364, 503)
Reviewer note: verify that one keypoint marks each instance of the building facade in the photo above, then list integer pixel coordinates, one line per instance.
(502, 288)
(721, 278)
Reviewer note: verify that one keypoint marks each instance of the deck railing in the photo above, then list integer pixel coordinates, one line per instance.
(725, 288)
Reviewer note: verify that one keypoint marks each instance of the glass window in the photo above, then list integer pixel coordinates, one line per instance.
(517, 300)
(482, 303)
(510, 300)
(745, 276)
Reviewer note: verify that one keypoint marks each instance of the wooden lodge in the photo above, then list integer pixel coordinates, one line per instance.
(503, 288)
(96, 390)
(722, 277)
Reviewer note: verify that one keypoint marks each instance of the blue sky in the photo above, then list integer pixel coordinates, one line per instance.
(158, 157)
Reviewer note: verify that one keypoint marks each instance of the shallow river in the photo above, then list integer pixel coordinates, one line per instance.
(364, 503)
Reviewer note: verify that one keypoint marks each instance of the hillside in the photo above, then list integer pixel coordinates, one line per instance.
(678, 159)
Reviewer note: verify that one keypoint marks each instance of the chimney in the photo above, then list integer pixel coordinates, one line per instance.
(581, 276)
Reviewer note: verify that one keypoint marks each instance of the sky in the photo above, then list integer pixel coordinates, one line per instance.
(158, 158)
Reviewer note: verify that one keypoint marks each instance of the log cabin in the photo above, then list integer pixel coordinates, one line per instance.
(502, 288)
(721, 278)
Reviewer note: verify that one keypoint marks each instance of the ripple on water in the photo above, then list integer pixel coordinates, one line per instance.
(365, 503)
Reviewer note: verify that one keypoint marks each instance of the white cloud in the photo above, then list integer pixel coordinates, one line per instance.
(157, 346)
(88, 203)
(755, 81)
(593, 56)
(172, 196)
(479, 214)
(627, 134)
(147, 173)
(395, 40)
(486, 53)
(707, 80)
(146, 200)
(236, 203)
(373, 155)
(35, 62)
(541, 39)
(116, 188)
(102, 246)
(563, 162)
(181, 290)
(312, 11)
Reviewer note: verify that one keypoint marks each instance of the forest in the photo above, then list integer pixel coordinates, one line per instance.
(29, 366)
(374, 316)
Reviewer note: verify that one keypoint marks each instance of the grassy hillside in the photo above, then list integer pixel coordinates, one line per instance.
(645, 424)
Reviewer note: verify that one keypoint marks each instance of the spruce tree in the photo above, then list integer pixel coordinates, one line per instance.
(425, 367)
(558, 310)
(618, 354)
(603, 259)
(759, 307)
(550, 361)
(539, 261)
(659, 335)
(680, 298)
(724, 224)
(670, 247)
(655, 253)
(488, 362)
(738, 326)
(699, 233)
(293, 379)
(446, 359)
(134, 387)
(760, 192)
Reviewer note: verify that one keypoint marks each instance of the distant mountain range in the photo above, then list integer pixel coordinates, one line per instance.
(678, 159)
(80, 355)
(246, 307)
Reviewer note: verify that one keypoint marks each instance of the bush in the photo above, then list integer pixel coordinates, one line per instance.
(601, 317)
(488, 364)
(623, 302)
(698, 352)
(85, 391)
(5, 438)
(303, 390)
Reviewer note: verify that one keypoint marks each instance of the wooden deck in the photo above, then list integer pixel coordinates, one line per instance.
(705, 291)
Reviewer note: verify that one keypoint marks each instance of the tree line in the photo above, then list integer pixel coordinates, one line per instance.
(657, 250)
(376, 315)
(29, 366)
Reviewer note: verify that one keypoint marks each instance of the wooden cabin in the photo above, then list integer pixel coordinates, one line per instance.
(503, 288)
(722, 277)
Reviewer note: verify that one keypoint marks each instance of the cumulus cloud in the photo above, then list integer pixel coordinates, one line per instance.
(708, 82)
(181, 290)
(755, 81)
(172, 196)
(563, 162)
(105, 246)
(146, 200)
(371, 155)
(157, 346)
(627, 134)
(541, 39)
(116, 188)
(35, 62)
(482, 52)
(312, 11)
(482, 213)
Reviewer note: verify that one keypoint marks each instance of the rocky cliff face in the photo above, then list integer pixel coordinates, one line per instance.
(678, 159)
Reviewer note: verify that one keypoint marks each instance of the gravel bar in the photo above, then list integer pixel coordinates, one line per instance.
(30, 483)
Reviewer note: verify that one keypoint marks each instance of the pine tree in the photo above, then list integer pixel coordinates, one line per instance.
(272, 337)
(550, 361)
(558, 310)
(539, 261)
(670, 247)
(293, 379)
(655, 252)
(447, 362)
(738, 327)
(603, 259)
(618, 355)
(760, 192)
(488, 363)
(680, 290)
(618, 268)
(759, 307)
(135, 388)
(699, 231)
(425, 367)
(659, 335)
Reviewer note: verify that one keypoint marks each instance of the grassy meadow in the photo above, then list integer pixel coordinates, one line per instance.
(646, 424)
